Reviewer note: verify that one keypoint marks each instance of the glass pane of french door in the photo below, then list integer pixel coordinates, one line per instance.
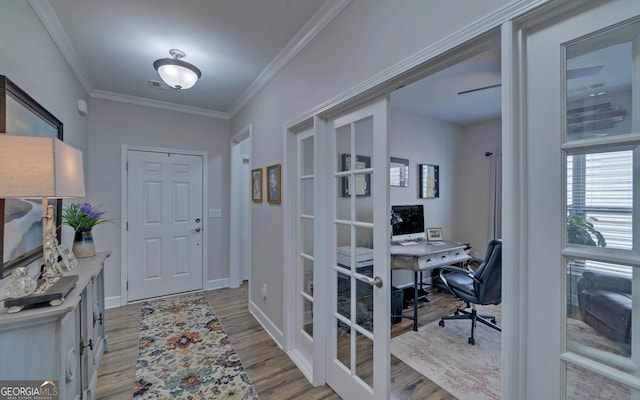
(305, 256)
(601, 166)
(579, 247)
(354, 243)
(358, 330)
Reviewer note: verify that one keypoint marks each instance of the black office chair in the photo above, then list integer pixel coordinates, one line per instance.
(484, 286)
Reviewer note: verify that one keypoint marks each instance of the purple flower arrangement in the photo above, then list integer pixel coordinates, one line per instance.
(83, 217)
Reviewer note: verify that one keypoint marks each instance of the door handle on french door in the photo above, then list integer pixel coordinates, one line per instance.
(377, 281)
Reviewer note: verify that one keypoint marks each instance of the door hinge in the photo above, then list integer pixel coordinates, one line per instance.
(127, 286)
(127, 225)
(82, 346)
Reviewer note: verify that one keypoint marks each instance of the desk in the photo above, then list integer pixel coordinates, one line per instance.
(425, 256)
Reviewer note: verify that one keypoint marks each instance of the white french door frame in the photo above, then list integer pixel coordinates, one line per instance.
(124, 211)
(315, 372)
(524, 349)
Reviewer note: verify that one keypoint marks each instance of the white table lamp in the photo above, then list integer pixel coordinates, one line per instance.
(37, 167)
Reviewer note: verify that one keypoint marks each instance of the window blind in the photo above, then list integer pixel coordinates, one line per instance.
(600, 188)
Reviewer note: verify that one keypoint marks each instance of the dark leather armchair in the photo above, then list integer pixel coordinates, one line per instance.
(484, 286)
(604, 300)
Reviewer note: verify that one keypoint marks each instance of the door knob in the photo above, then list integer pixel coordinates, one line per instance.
(377, 281)
(196, 230)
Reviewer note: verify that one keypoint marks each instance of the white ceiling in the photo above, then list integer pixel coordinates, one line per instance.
(437, 94)
(238, 45)
(113, 43)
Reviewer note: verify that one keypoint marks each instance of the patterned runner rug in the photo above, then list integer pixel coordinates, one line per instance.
(183, 353)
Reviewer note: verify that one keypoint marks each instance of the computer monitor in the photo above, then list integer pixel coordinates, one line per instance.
(410, 225)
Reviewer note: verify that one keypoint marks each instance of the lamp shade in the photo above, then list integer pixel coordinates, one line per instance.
(37, 167)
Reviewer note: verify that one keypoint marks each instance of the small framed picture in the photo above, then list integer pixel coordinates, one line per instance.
(435, 234)
(273, 183)
(68, 258)
(256, 185)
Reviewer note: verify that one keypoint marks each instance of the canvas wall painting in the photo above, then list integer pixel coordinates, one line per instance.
(21, 219)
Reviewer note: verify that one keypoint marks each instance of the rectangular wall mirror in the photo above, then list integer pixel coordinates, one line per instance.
(399, 172)
(429, 181)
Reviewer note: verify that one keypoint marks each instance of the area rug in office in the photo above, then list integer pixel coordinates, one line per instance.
(184, 353)
(443, 355)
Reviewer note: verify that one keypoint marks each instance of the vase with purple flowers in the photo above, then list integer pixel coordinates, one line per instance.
(82, 217)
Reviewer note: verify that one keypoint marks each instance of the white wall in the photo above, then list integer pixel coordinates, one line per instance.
(32, 61)
(425, 140)
(473, 185)
(113, 124)
(368, 37)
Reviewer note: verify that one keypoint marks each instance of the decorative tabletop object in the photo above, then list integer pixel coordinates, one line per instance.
(21, 284)
(82, 217)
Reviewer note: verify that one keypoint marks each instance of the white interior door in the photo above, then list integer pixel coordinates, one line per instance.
(358, 327)
(305, 255)
(579, 159)
(164, 201)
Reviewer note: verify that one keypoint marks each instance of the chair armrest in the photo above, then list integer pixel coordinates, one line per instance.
(457, 270)
(606, 281)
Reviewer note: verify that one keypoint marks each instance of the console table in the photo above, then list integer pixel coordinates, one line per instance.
(62, 343)
(424, 256)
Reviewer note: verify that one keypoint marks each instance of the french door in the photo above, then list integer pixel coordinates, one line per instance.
(357, 354)
(164, 235)
(579, 163)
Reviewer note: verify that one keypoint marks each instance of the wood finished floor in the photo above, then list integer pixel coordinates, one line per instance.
(271, 371)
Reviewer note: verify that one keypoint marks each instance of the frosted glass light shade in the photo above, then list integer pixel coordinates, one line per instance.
(37, 167)
(177, 73)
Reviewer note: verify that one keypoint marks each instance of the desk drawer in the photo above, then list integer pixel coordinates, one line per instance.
(457, 255)
(434, 260)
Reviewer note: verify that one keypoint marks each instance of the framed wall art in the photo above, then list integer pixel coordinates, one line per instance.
(256, 185)
(362, 181)
(435, 234)
(398, 172)
(21, 219)
(429, 181)
(273, 183)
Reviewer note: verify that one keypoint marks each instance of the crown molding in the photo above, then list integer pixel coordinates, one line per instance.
(329, 10)
(52, 24)
(141, 101)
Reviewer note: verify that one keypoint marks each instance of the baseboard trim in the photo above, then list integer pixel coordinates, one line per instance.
(217, 284)
(268, 325)
(112, 302)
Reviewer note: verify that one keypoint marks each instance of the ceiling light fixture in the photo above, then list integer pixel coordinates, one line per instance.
(177, 73)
